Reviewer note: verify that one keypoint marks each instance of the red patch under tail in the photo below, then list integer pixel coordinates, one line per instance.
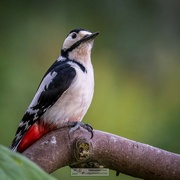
(35, 132)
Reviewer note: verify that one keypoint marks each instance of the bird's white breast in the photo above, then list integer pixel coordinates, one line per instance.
(75, 101)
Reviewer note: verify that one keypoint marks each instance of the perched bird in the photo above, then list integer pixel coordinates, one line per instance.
(64, 94)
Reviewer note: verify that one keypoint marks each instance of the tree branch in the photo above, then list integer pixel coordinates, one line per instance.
(59, 148)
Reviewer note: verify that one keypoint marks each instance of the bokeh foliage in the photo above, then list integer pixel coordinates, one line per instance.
(13, 166)
(136, 61)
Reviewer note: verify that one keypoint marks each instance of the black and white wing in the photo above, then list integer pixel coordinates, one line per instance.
(55, 82)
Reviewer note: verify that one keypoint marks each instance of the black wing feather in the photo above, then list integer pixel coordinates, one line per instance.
(62, 81)
(52, 92)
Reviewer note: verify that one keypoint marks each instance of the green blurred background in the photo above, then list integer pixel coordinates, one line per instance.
(136, 61)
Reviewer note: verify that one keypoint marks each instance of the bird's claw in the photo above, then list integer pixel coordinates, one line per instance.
(88, 127)
(75, 125)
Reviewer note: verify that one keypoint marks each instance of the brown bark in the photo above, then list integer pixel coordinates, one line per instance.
(59, 148)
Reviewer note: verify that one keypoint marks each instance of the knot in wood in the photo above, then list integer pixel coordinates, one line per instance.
(82, 149)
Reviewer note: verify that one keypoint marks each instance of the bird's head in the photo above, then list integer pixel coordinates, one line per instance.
(78, 44)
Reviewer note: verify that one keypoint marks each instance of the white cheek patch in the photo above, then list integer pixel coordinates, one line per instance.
(68, 42)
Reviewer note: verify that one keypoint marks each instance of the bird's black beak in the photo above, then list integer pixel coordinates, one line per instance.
(89, 37)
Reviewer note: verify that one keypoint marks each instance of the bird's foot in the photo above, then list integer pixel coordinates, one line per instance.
(73, 126)
(88, 127)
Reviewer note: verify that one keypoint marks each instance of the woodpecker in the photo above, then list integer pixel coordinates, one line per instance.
(64, 94)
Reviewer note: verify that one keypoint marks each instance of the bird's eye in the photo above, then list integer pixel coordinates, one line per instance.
(74, 35)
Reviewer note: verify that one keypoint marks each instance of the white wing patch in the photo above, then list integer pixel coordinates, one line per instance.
(44, 85)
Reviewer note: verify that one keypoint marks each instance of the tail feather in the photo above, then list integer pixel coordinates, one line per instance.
(13, 147)
(35, 132)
